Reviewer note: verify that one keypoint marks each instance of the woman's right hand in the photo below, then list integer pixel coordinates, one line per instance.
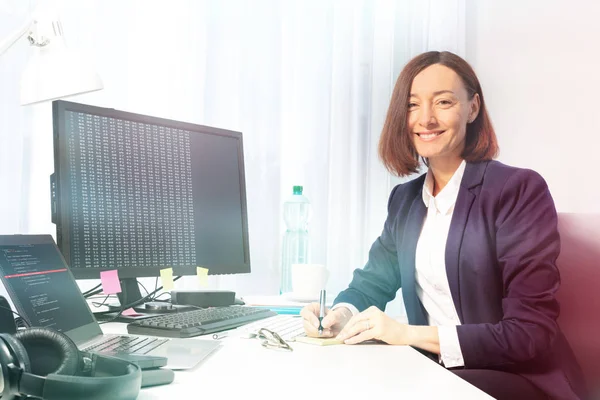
(333, 322)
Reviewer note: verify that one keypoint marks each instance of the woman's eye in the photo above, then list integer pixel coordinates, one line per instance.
(411, 105)
(445, 102)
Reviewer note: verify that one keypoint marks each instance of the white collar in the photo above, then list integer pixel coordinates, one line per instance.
(445, 199)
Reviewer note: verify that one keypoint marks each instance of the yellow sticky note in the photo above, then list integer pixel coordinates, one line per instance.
(166, 276)
(202, 276)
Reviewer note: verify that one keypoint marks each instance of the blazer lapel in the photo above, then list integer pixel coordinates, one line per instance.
(472, 177)
(414, 223)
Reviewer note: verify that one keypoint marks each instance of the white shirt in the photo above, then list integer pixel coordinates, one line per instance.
(432, 284)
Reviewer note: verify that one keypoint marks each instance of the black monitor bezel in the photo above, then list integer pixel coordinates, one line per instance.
(61, 204)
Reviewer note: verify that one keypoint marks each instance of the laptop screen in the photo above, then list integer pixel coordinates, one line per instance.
(40, 285)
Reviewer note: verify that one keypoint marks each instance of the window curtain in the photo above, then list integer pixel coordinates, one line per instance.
(307, 82)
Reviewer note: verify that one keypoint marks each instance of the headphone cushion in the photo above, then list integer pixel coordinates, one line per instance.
(51, 352)
(19, 350)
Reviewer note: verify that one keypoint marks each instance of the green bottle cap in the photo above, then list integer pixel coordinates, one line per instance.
(297, 189)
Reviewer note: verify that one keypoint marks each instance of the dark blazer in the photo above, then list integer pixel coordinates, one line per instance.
(500, 260)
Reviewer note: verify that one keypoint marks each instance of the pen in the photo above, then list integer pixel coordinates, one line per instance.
(321, 310)
(219, 335)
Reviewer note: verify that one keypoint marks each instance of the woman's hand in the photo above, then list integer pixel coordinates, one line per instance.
(332, 324)
(375, 324)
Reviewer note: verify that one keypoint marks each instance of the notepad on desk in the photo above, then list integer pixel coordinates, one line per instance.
(319, 341)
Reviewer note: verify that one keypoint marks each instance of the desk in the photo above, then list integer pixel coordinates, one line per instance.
(243, 369)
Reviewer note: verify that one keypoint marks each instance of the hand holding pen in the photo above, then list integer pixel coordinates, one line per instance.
(331, 321)
(322, 300)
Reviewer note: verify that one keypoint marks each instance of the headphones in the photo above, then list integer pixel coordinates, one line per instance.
(46, 363)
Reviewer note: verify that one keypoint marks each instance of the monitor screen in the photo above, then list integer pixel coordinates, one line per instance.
(138, 194)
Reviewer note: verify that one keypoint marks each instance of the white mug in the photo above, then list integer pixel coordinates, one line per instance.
(309, 279)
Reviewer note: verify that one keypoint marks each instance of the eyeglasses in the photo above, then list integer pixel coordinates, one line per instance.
(271, 340)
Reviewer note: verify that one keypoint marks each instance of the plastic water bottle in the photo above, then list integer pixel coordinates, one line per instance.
(296, 210)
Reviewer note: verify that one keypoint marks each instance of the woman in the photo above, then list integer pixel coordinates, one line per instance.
(472, 243)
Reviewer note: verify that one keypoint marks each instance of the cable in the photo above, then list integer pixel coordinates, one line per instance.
(18, 315)
(163, 293)
(127, 306)
(98, 289)
(155, 286)
(96, 297)
(92, 293)
(144, 287)
(87, 292)
(98, 305)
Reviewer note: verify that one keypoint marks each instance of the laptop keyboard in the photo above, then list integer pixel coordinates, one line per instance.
(126, 344)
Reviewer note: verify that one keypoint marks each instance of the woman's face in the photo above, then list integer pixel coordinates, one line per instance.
(438, 112)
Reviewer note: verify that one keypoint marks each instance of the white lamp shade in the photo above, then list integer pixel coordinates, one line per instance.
(54, 72)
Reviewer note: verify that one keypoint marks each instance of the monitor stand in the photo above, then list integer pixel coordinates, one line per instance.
(130, 292)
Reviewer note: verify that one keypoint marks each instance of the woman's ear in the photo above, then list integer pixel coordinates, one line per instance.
(475, 104)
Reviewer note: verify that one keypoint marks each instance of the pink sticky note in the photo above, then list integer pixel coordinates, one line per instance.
(130, 312)
(110, 282)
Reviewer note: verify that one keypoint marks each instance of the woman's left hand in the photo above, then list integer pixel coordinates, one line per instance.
(374, 324)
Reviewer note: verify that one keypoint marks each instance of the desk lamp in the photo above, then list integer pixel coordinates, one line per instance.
(53, 71)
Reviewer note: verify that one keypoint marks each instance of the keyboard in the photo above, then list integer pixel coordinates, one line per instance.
(198, 322)
(289, 327)
(125, 344)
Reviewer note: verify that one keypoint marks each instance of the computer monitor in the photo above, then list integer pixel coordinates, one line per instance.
(139, 194)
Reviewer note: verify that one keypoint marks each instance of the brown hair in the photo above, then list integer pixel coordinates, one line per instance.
(396, 149)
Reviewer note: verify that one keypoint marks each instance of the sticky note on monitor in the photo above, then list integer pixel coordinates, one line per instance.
(202, 276)
(110, 282)
(166, 276)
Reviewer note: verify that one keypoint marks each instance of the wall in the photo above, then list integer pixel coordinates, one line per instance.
(15, 127)
(539, 66)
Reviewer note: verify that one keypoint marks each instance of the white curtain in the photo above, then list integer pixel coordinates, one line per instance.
(307, 82)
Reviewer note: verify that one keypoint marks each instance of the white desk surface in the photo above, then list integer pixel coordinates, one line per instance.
(243, 369)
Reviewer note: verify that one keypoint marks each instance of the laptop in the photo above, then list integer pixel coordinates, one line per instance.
(43, 291)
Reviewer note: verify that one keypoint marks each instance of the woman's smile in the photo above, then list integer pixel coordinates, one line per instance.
(428, 136)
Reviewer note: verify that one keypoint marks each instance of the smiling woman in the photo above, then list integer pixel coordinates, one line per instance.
(438, 118)
(436, 90)
(472, 243)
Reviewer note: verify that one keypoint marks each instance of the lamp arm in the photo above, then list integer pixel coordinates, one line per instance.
(16, 35)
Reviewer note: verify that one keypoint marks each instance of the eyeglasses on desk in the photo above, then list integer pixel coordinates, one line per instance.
(271, 340)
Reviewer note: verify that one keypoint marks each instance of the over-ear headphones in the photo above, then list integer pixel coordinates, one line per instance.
(45, 363)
